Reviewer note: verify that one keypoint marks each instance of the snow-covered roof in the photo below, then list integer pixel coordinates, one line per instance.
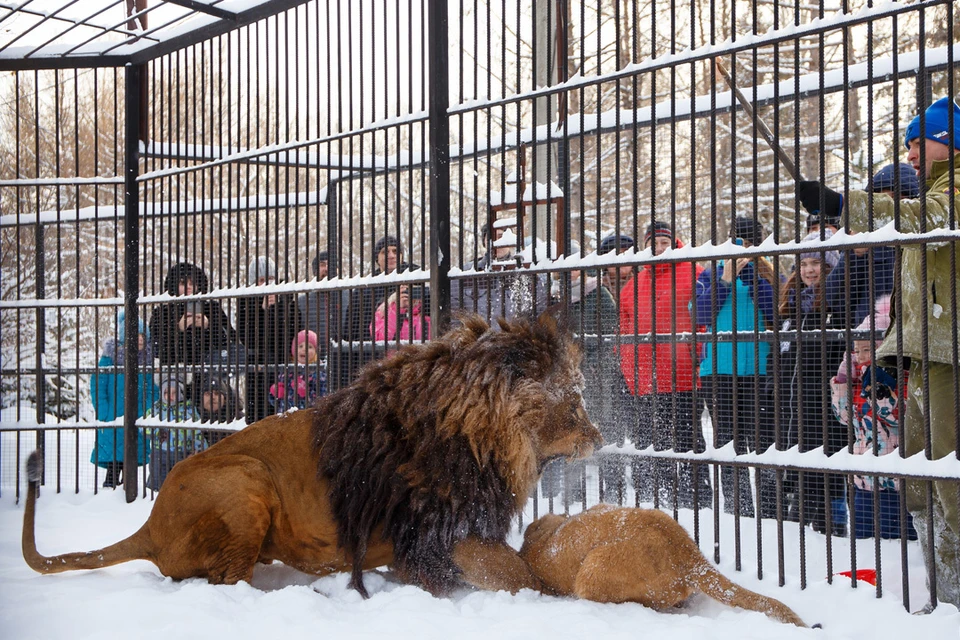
(101, 32)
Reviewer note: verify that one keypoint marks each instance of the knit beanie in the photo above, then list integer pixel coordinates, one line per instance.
(885, 178)
(614, 242)
(142, 327)
(323, 256)
(937, 123)
(748, 229)
(658, 229)
(387, 241)
(307, 335)
(261, 267)
(830, 257)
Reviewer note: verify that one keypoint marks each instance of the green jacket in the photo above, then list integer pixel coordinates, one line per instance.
(940, 277)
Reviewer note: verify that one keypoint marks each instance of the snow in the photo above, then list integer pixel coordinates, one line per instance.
(134, 600)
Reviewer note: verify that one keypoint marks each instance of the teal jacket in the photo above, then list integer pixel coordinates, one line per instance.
(754, 311)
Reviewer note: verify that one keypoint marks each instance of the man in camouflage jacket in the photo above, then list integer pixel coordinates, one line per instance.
(940, 140)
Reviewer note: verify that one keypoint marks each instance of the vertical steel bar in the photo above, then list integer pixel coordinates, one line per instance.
(439, 123)
(131, 275)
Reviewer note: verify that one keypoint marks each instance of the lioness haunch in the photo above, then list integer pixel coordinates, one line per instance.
(618, 554)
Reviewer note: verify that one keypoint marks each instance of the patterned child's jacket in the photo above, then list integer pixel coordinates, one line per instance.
(299, 386)
(885, 414)
(172, 439)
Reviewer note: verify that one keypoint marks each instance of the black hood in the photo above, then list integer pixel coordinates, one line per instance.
(185, 271)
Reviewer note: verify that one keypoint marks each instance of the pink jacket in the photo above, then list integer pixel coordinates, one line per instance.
(384, 325)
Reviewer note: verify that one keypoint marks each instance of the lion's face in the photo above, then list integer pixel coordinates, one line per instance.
(563, 429)
(565, 433)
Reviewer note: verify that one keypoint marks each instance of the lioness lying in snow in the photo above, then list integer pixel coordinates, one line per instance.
(614, 554)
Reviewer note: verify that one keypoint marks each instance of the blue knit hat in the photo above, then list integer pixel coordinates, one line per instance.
(937, 121)
(884, 180)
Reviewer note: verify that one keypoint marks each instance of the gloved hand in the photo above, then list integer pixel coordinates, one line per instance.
(808, 192)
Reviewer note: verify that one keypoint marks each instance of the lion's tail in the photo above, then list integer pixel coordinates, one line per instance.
(714, 584)
(136, 547)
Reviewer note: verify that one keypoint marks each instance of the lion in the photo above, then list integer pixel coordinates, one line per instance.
(623, 554)
(422, 464)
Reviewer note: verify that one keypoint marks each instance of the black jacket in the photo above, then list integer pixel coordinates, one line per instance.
(806, 368)
(189, 346)
(268, 333)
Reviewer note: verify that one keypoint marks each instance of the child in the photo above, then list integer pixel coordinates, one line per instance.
(400, 309)
(869, 381)
(300, 385)
(107, 392)
(216, 403)
(172, 445)
(805, 362)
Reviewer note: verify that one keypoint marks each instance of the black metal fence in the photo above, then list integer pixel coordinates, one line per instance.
(363, 172)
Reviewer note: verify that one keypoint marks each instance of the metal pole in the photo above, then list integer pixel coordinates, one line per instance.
(41, 387)
(439, 79)
(131, 277)
(564, 232)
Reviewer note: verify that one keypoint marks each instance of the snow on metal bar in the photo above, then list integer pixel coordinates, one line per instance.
(62, 182)
(166, 208)
(916, 466)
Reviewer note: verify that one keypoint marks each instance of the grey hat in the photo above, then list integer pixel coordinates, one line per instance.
(172, 381)
(261, 267)
(832, 258)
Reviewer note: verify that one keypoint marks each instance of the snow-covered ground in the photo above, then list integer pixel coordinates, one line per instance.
(135, 601)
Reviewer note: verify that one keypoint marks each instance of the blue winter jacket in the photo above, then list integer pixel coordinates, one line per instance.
(107, 393)
(860, 301)
(721, 317)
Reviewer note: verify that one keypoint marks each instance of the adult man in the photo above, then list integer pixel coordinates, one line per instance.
(315, 308)
(655, 306)
(615, 277)
(929, 277)
(321, 310)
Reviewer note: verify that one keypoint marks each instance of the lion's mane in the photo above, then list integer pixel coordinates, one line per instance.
(428, 444)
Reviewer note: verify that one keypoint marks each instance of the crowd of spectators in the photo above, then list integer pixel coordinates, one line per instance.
(649, 378)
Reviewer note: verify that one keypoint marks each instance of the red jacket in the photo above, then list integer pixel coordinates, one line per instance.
(672, 314)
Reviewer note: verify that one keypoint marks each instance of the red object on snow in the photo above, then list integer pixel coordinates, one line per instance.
(863, 575)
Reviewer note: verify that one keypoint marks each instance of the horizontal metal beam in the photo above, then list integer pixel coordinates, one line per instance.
(203, 7)
(43, 63)
(259, 12)
(227, 22)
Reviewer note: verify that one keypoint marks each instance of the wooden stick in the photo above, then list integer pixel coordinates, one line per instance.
(785, 159)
